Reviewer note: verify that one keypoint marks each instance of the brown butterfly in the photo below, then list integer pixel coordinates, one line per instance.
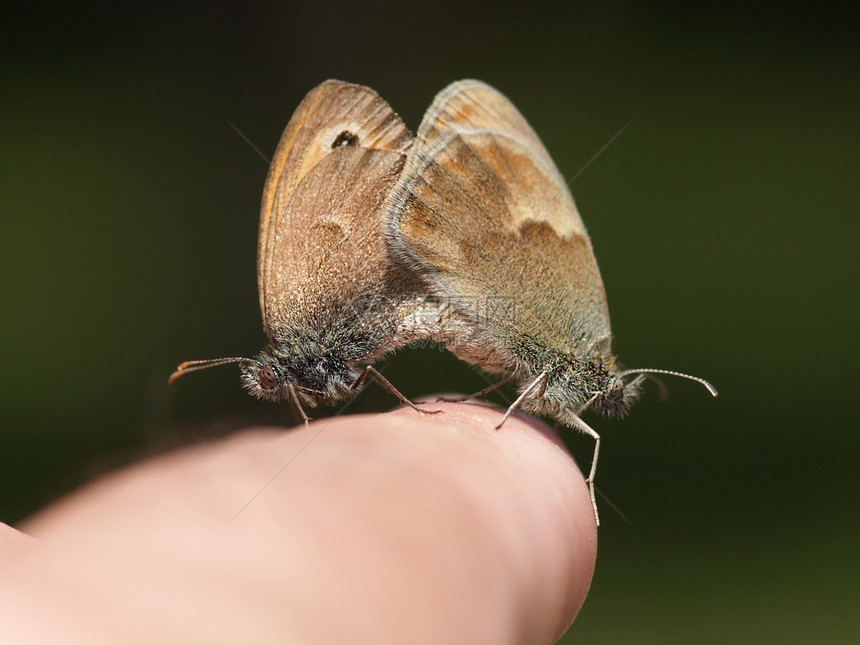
(483, 215)
(332, 300)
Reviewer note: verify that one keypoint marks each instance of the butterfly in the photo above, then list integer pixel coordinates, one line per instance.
(482, 214)
(332, 300)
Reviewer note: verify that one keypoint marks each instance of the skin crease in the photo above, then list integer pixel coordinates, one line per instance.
(385, 528)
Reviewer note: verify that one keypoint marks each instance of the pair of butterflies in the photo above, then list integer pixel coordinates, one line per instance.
(466, 234)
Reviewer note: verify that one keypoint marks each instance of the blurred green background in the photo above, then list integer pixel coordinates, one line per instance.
(724, 221)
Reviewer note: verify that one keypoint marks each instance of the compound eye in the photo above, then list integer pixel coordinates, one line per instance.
(268, 377)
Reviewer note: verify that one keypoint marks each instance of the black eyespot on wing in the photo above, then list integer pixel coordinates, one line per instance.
(345, 138)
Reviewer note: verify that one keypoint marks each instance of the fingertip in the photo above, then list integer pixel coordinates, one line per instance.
(396, 519)
(535, 496)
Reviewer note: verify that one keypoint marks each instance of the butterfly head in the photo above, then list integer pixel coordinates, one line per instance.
(611, 395)
(303, 373)
(277, 375)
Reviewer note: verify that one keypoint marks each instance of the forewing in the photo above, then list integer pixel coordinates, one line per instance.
(483, 212)
(320, 221)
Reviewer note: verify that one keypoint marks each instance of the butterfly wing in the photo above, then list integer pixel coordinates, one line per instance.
(321, 245)
(483, 213)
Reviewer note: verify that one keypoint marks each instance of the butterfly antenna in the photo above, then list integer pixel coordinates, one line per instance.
(664, 391)
(196, 366)
(709, 387)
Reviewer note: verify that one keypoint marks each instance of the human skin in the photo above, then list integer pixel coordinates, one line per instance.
(389, 528)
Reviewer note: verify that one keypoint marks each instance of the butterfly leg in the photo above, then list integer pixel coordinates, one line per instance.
(386, 385)
(296, 405)
(540, 380)
(477, 395)
(579, 424)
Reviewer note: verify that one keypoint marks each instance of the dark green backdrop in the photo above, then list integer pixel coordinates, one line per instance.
(724, 221)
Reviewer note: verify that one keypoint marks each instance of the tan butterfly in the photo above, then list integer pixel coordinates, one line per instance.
(482, 214)
(331, 299)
